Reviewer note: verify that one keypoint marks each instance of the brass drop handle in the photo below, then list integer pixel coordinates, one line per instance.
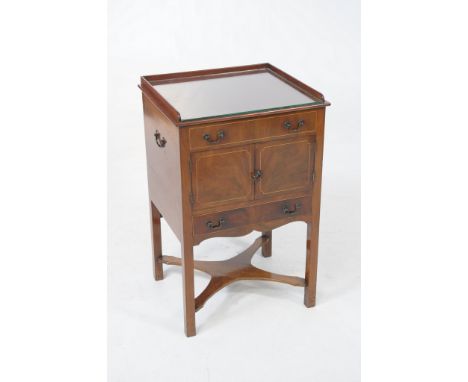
(217, 225)
(257, 175)
(161, 142)
(287, 211)
(288, 125)
(219, 135)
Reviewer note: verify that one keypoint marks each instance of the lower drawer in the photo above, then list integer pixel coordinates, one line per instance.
(226, 220)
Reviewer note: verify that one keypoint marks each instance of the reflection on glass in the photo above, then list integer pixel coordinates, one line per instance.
(236, 94)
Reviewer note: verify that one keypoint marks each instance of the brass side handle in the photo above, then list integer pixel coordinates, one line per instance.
(161, 142)
(287, 211)
(219, 137)
(217, 225)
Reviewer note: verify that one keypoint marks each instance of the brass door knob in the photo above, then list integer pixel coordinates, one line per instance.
(257, 175)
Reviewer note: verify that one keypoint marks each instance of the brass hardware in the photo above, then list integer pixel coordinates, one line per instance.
(287, 211)
(300, 123)
(217, 225)
(287, 125)
(220, 137)
(161, 142)
(257, 175)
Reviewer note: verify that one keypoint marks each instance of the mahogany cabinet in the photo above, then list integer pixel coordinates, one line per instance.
(230, 151)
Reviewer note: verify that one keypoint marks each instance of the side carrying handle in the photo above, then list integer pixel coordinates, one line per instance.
(287, 211)
(161, 142)
(219, 135)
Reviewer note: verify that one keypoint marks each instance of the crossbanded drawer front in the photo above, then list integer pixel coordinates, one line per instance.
(220, 221)
(218, 135)
(280, 210)
(284, 209)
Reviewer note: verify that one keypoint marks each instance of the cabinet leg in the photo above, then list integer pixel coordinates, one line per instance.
(189, 291)
(311, 265)
(266, 247)
(157, 244)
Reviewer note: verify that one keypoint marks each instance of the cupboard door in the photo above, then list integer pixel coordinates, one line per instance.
(286, 166)
(222, 176)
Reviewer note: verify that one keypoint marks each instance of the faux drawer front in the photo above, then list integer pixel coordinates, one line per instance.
(288, 125)
(220, 221)
(283, 210)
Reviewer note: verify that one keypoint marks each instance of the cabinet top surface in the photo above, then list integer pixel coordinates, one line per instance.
(210, 94)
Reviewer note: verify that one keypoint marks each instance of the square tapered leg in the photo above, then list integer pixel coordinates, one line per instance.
(266, 247)
(189, 289)
(157, 242)
(311, 265)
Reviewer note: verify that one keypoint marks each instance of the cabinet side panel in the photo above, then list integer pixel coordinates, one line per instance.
(313, 224)
(163, 165)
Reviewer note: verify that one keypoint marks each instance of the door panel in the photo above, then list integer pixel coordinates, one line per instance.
(286, 165)
(222, 176)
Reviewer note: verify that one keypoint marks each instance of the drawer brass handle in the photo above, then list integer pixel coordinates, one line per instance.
(219, 135)
(288, 125)
(287, 211)
(257, 175)
(161, 142)
(217, 225)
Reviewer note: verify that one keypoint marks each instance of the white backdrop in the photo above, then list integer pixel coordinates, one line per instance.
(251, 330)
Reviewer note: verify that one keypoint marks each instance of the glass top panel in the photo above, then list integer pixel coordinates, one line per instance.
(235, 94)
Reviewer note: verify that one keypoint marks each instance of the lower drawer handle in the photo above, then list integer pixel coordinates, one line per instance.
(287, 211)
(219, 135)
(217, 225)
